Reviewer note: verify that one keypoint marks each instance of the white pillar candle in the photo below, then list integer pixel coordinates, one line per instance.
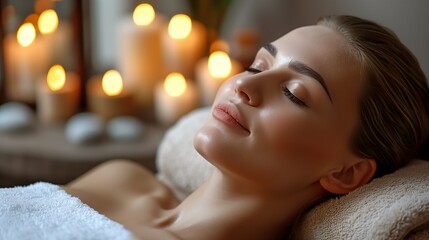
(57, 95)
(212, 72)
(26, 60)
(107, 97)
(174, 98)
(184, 44)
(58, 36)
(140, 52)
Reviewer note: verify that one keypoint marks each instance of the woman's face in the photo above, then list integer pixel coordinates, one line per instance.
(289, 119)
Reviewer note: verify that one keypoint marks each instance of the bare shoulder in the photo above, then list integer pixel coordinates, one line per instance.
(127, 193)
(116, 178)
(115, 172)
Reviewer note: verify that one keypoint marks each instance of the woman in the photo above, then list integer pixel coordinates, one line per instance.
(321, 111)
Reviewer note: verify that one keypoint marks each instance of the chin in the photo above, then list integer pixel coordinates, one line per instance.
(213, 143)
(203, 141)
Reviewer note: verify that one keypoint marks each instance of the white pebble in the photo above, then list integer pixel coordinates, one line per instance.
(125, 128)
(84, 128)
(15, 117)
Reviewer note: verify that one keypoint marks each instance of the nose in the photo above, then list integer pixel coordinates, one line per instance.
(248, 90)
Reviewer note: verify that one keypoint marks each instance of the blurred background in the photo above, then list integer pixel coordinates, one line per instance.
(82, 82)
(271, 19)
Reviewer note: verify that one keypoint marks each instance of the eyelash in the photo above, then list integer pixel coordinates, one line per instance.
(285, 90)
(253, 70)
(293, 98)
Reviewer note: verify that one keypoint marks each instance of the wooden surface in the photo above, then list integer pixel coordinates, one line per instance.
(44, 154)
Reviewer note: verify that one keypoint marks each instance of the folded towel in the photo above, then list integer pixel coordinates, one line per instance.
(46, 211)
(392, 207)
(179, 164)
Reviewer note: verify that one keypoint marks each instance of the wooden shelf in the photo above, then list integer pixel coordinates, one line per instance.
(44, 154)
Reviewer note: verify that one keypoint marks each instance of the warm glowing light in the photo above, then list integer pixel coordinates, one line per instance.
(175, 84)
(180, 26)
(219, 64)
(26, 34)
(144, 14)
(48, 21)
(56, 77)
(112, 83)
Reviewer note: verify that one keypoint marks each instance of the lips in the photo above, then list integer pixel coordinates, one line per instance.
(228, 113)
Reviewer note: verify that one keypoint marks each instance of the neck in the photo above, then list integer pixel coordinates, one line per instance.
(228, 208)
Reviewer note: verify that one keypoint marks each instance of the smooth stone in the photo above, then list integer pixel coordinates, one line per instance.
(125, 128)
(16, 117)
(84, 128)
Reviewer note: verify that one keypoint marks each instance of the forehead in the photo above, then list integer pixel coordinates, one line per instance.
(316, 45)
(328, 53)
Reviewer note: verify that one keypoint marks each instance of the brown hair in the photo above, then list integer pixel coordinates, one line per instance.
(394, 107)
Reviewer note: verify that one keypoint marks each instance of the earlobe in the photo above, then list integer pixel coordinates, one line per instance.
(350, 177)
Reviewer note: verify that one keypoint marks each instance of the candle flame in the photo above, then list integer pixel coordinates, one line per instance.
(48, 21)
(180, 26)
(56, 78)
(112, 83)
(143, 14)
(26, 34)
(219, 64)
(175, 84)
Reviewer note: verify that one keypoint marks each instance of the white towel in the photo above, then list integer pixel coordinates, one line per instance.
(179, 164)
(395, 206)
(45, 211)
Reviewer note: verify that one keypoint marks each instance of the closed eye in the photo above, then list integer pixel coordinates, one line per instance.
(285, 90)
(293, 98)
(253, 70)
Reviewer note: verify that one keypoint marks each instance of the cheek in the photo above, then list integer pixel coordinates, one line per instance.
(296, 143)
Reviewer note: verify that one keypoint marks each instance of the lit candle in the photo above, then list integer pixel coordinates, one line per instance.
(26, 61)
(107, 96)
(174, 98)
(184, 44)
(58, 36)
(140, 54)
(57, 95)
(48, 21)
(212, 72)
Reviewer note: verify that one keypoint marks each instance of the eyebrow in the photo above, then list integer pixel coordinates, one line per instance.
(271, 49)
(301, 68)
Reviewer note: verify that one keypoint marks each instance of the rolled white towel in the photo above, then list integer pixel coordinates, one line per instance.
(179, 165)
(393, 207)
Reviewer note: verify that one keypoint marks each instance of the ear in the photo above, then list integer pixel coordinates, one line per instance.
(357, 173)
